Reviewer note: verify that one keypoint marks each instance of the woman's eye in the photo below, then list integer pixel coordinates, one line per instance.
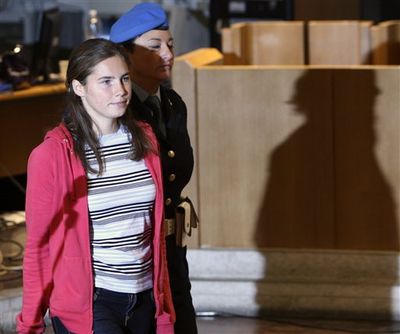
(154, 47)
(126, 79)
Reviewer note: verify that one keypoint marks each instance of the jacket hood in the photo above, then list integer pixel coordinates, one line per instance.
(62, 135)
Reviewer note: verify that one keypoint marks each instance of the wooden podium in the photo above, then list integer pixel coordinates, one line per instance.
(293, 156)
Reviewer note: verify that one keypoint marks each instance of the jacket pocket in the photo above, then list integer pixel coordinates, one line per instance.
(72, 285)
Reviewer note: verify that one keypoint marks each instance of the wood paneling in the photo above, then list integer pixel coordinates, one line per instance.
(298, 157)
(335, 42)
(234, 44)
(385, 40)
(286, 43)
(25, 117)
(327, 9)
(366, 155)
(276, 43)
(265, 173)
(264, 43)
(184, 81)
(365, 42)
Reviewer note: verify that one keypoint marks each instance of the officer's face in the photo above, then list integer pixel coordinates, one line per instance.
(152, 57)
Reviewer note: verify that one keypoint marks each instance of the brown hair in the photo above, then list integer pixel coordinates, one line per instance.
(82, 61)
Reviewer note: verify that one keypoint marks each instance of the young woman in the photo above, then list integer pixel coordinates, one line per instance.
(144, 32)
(95, 250)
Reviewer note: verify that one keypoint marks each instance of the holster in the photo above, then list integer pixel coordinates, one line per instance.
(186, 219)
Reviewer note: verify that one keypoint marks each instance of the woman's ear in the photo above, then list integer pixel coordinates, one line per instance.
(78, 88)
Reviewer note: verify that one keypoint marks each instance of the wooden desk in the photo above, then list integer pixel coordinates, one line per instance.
(25, 117)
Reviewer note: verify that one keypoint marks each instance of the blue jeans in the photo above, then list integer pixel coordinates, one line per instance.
(119, 313)
(58, 326)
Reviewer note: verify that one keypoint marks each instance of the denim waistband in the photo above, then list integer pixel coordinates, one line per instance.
(119, 297)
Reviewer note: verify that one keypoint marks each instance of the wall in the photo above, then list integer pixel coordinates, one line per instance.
(327, 9)
(296, 157)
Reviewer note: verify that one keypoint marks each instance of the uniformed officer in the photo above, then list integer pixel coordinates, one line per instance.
(144, 31)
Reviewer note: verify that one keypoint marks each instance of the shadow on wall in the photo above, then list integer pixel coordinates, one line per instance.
(325, 188)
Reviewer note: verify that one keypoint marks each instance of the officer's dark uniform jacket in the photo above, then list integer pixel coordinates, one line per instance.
(177, 165)
(176, 151)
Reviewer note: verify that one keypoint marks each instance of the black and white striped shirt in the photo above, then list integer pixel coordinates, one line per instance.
(120, 208)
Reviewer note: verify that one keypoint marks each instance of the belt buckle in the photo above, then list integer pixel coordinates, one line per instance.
(169, 227)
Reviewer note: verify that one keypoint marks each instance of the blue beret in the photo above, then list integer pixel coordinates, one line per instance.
(141, 18)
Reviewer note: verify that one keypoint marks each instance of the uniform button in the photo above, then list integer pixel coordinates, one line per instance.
(172, 177)
(168, 201)
(171, 153)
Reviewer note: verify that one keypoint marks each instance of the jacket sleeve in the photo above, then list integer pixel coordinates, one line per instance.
(37, 276)
(165, 309)
(166, 320)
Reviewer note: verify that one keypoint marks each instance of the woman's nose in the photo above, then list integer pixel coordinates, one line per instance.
(167, 53)
(123, 88)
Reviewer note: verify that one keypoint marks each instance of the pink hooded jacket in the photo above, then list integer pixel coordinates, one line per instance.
(57, 262)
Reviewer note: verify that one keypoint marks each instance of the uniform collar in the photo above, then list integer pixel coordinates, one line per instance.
(142, 94)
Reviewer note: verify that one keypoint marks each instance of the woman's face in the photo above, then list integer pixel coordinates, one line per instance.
(107, 92)
(153, 56)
